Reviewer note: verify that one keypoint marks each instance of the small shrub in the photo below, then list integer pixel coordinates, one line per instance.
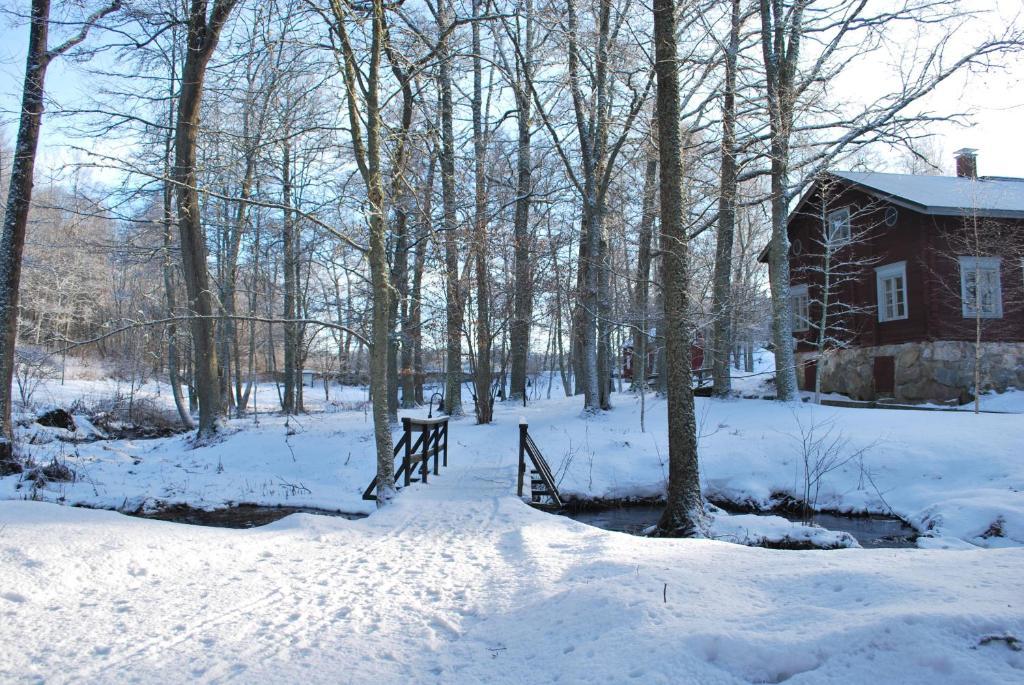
(31, 367)
(58, 472)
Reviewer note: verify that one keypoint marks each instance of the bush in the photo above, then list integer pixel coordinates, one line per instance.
(140, 418)
(31, 367)
(54, 472)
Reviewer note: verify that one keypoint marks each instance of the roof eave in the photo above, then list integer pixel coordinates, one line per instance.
(965, 212)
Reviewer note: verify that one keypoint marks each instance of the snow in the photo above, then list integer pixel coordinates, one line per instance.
(952, 475)
(460, 582)
(1010, 402)
(947, 195)
(760, 381)
(760, 530)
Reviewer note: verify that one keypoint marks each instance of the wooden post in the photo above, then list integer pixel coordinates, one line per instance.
(425, 464)
(407, 457)
(436, 435)
(446, 443)
(522, 457)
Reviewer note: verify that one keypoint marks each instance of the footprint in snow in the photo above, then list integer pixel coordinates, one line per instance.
(14, 597)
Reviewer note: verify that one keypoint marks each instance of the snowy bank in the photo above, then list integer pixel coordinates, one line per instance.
(952, 475)
(447, 589)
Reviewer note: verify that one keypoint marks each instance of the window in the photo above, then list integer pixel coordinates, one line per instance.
(980, 289)
(892, 291)
(839, 226)
(892, 215)
(801, 308)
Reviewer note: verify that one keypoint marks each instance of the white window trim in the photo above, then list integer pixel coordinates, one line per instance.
(884, 273)
(968, 264)
(831, 237)
(801, 324)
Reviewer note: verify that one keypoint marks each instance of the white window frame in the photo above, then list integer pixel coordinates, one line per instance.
(886, 273)
(977, 265)
(801, 314)
(834, 238)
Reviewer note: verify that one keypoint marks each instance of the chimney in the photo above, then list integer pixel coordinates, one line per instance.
(966, 163)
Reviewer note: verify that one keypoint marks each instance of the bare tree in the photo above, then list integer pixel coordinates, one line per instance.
(454, 290)
(481, 252)
(828, 266)
(722, 306)
(204, 28)
(684, 509)
(523, 34)
(362, 90)
(19, 198)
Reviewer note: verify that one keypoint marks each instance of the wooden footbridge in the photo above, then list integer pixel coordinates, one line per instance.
(431, 441)
(543, 489)
(426, 440)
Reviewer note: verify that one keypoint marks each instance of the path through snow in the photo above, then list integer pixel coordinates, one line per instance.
(459, 582)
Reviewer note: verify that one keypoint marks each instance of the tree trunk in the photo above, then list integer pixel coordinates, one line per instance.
(399, 312)
(522, 306)
(202, 40)
(721, 300)
(684, 510)
(641, 303)
(399, 272)
(780, 63)
(480, 238)
(173, 374)
(19, 199)
(453, 286)
(288, 404)
(415, 305)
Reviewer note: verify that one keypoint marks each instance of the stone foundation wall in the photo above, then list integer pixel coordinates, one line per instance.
(925, 372)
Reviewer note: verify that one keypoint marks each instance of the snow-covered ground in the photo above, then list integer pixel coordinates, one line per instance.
(951, 475)
(459, 582)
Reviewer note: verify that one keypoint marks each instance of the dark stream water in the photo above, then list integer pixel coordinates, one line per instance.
(241, 516)
(870, 531)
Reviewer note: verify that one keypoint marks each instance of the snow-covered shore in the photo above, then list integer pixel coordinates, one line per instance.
(460, 582)
(952, 475)
(443, 588)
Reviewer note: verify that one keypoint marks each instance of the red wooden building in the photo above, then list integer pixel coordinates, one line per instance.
(915, 266)
(696, 360)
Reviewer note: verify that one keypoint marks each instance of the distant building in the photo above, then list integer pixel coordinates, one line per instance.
(938, 256)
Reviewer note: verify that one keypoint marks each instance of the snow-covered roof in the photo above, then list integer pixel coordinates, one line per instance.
(992, 196)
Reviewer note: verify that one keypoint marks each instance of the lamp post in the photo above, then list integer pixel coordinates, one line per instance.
(430, 406)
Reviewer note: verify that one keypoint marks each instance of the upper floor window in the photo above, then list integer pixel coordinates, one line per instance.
(839, 226)
(891, 281)
(801, 304)
(980, 288)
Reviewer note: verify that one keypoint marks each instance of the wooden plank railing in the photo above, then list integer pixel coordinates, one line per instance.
(542, 482)
(431, 441)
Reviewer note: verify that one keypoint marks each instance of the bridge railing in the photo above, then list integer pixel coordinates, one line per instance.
(542, 482)
(431, 441)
